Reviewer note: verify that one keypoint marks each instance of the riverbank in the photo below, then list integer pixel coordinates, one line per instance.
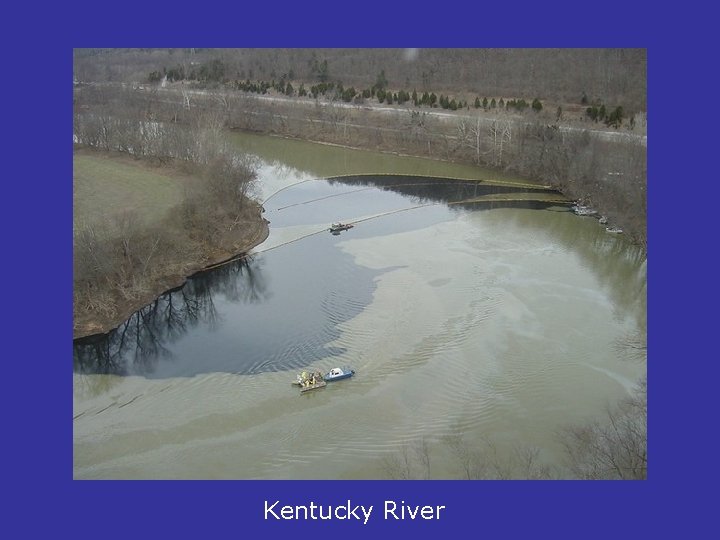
(604, 167)
(91, 322)
(127, 257)
(627, 213)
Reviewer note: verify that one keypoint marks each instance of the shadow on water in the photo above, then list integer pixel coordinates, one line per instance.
(136, 345)
(458, 193)
(272, 312)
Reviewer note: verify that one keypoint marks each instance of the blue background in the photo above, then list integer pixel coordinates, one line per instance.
(42, 500)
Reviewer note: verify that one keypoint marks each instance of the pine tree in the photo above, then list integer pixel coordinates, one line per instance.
(381, 82)
(323, 72)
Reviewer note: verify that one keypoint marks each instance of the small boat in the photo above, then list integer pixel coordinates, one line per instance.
(583, 210)
(603, 220)
(336, 374)
(335, 228)
(309, 381)
(614, 230)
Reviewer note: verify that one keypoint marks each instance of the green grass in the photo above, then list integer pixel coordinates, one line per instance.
(107, 186)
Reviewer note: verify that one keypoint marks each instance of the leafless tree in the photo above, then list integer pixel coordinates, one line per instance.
(612, 448)
(500, 135)
(411, 463)
(483, 460)
(470, 135)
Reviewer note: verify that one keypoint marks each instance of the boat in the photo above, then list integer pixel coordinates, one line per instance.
(583, 210)
(614, 230)
(336, 374)
(307, 379)
(335, 228)
(318, 384)
(603, 220)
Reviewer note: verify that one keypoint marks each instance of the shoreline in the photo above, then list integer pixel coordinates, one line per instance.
(636, 235)
(88, 326)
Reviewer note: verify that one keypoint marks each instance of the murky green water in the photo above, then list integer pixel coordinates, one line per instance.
(467, 323)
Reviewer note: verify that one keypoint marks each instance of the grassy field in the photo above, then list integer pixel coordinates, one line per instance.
(105, 186)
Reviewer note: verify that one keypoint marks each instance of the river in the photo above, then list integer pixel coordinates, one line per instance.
(476, 315)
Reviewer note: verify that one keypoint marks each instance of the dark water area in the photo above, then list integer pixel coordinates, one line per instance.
(279, 310)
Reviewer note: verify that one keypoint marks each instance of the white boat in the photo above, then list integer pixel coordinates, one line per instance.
(336, 374)
(583, 210)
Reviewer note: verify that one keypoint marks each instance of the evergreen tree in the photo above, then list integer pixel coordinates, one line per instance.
(615, 118)
(493, 104)
(536, 105)
(323, 72)
(477, 102)
(349, 94)
(485, 103)
(381, 82)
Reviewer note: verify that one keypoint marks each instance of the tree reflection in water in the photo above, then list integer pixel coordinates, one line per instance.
(137, 344)
(428, 189)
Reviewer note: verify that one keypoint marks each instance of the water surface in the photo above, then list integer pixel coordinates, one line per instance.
(468, 313)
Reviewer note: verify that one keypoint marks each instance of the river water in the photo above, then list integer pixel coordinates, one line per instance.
(476, 315)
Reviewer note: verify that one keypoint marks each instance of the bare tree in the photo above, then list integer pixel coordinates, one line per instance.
(613, 448)
(411, 463)
(500, 135)
(469, 136)
(485, 461)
